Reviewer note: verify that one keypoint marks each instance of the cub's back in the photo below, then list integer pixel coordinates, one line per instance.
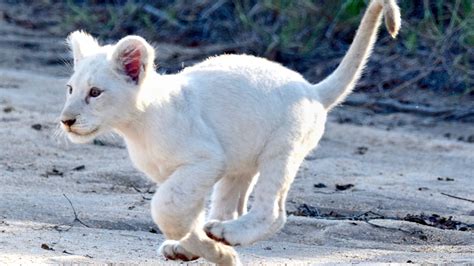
(249, 66)
(244, 98)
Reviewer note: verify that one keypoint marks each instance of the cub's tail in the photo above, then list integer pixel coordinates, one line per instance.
(340, 83)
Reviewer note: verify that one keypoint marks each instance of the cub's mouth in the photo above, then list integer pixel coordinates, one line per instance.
(82, 137)
(83, 134)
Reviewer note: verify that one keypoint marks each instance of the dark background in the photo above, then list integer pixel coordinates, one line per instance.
(428, 67)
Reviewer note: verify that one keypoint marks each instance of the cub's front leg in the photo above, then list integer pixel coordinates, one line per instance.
(177, 209)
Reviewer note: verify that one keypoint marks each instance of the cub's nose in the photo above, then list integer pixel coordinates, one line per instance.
(68, 122)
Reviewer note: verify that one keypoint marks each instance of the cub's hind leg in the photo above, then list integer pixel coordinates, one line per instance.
(229, 196)
(277, 166)
(267, 214)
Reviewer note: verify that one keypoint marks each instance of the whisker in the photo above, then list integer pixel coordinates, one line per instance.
(60, 136)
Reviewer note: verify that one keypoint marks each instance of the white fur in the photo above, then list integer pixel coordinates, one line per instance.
(220, 123)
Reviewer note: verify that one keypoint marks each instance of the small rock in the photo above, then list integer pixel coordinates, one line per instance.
(361, 150)
(46, 247)
(8, 109)
(99, 142)
(445, 179)
(470, 139)
(319, 185)
(267, 248)
(334, 214)
(344, 187)
(423, 188)
(344, 120)
(79, 168)
(306, 210)
(37, 127)
(53, 172)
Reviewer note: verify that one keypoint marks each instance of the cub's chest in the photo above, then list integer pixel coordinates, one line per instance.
(149, 161)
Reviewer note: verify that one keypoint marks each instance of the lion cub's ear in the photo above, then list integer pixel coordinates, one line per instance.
(81, 44)
(133, 57)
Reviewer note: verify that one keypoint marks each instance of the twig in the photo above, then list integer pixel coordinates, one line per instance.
(456, 197)
(136, 189)
(143, 193)
(213, 8)
(394, 105)
(460, 115)
(75, 213)
(412, 81)
(378, 215)
(364, 217)
(384, 227)
(322, 192)
(57, 227)
(391, 105)
(418, 233)
(145, 198)
(67, 252)
(162, 15)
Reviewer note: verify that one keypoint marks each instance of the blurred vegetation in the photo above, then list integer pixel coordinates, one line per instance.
(434, 51)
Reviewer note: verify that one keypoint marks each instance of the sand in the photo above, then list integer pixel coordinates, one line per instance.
(61, 202)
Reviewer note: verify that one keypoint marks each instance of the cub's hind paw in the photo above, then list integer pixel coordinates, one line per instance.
(216, 230)
(172, 250)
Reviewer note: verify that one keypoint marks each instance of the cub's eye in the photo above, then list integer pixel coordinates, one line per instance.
(69, 89)
(95, 92)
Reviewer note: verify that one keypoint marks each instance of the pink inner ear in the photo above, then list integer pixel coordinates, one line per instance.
(132, 63)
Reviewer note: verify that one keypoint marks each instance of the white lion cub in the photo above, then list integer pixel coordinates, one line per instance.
(217, 125)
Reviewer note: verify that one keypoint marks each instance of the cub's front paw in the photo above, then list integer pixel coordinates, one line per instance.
(172, 250)
(219, 232)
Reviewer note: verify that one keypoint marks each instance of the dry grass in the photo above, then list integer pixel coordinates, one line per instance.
(434, 51)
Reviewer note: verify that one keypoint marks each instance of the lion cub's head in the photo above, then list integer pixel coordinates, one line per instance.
(102, 91)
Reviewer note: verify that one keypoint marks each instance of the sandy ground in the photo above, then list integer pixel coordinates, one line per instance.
(61, 202)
